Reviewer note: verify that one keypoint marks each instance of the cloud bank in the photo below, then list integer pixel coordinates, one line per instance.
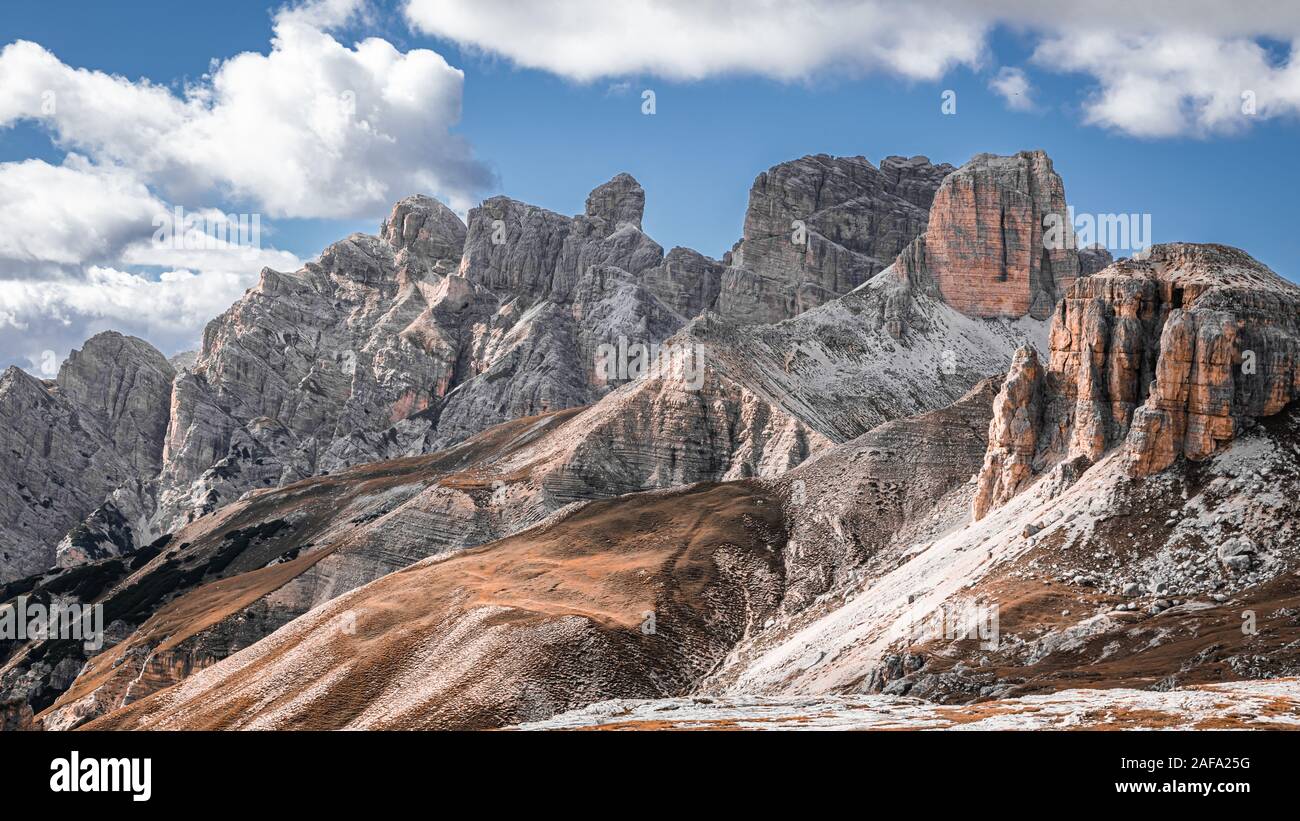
(1156, 69)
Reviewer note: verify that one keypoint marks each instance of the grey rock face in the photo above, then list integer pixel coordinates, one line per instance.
(310, 370)
(377, 350)
(1094, 259)
(544, 358)
(425, 235)
(855, 220)
(520, 250)
(125, 383)
(513, 248)
(686, 281)
(619, 202)
(70, 442)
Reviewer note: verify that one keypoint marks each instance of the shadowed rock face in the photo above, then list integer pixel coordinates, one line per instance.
(1174, 354)
(70, 442)
(856, 219)
(1013, 434)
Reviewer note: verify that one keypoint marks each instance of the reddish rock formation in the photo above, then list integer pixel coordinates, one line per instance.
(984, 242)
(1170, 355)
(1013, 433)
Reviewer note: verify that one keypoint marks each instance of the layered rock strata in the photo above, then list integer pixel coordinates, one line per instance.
(1167, 356)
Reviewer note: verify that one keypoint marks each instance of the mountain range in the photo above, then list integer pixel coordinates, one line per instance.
(894, 448)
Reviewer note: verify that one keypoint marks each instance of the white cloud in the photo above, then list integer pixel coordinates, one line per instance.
(56, 217)
(1165, 85)
(62, 231)
(693, 39)
(1014, 87)
(170, 312)
(1159, 68)
(312, 128)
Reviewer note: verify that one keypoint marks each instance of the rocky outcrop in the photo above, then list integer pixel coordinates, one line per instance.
(1093, 259)
(984, 246)
(1013, 434)
(124, 383)
(686, 281)
(513, 248)
(70, 442)
(533, 254)
(545, 358)
(619, 202)
(820, 226)
(425, 235)
(412, 341)
(1170, 355)
(1228, 356)
(310, 369)
(800, 570)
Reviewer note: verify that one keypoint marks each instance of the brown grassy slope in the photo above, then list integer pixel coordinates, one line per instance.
(549, 619)
(178, 595)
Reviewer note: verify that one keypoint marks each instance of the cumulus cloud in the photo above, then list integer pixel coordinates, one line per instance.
(1013, 86)
(57, 217)
(1158, 68)
(693, 39)
(65, 227)
(1164, 85)
(40, 321)
(313, 128)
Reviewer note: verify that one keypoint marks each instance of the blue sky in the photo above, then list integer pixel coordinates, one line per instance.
(545, 137)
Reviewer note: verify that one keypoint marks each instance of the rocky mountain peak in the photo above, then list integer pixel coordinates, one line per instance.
(618, 202)
(361, 258)
(72, 441)
(1093, 259)
(984, 244)
(425, 235)
(915, 179)
(819, 226)
(125, 383)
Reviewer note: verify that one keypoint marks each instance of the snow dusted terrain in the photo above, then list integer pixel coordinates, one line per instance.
(1273, 705)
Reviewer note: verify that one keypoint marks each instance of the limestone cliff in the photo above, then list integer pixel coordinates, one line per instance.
(1171, 355)
(820, 226)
